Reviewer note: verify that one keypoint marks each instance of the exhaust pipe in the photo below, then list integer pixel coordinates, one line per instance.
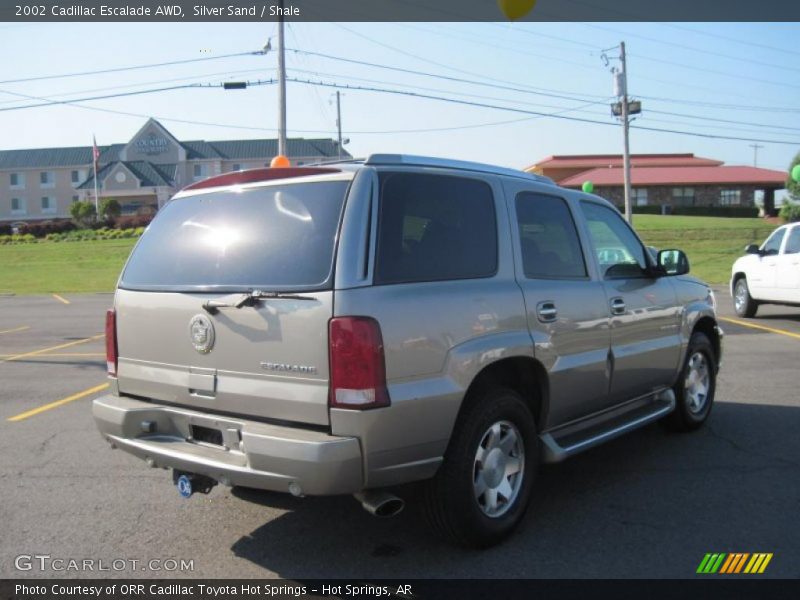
(379, 503)
(191, 483)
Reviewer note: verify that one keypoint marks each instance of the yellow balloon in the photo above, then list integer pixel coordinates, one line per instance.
(516, 9)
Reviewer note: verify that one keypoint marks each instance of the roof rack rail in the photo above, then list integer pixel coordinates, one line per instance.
(429, 161)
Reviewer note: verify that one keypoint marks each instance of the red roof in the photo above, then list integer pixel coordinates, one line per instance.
(590, 161)
(641, 176)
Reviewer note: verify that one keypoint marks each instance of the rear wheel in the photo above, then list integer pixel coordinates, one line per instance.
(743, 303)
(694, 391)
(482, 488)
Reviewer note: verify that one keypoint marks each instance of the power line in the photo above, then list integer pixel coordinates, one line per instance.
(733, 39)
(714, 71)
(511, 88)
(738, 58)
(132, 68)
(131, 85)
(529, 112)
(580, 65)
(119, 95)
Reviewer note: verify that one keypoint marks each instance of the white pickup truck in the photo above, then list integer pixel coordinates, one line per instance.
(769, 274)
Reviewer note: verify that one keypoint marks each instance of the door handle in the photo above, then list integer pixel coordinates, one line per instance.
(546, 312)
(617, 306)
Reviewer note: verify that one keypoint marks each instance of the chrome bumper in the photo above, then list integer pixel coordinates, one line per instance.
(252, 454)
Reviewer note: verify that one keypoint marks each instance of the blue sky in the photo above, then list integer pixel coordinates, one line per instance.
(745, 75)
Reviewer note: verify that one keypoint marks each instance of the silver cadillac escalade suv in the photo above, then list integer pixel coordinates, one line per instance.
(347, 328)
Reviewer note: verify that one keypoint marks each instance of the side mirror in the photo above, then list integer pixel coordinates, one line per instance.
(673, 262)
(752, 249)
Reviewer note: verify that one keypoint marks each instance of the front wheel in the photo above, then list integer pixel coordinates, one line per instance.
(482, 489)
(694, 391)
(743, 303)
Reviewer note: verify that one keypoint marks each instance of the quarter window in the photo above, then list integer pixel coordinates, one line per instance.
(434, 227)
(619, 252)
(548, 239)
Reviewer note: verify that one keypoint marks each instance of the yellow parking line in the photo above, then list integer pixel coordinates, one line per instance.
(23, 328)
(761, 327)
(59, 347)
(60, 299)
(58, 403)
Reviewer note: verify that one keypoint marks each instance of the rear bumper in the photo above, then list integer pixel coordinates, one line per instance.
(253, 454)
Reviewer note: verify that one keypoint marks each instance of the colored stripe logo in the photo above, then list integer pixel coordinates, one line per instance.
(734, 563)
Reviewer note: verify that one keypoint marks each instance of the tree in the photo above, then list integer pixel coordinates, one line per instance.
(793, 186)
(83, 213)
(110, 208)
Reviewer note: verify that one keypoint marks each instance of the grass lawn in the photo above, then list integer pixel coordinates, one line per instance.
(712, 244)
(62, 267)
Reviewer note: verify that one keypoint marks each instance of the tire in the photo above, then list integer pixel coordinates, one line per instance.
(695, 388)
(743, 303)
(494, 430)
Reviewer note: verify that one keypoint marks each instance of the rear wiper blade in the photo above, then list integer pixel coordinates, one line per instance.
(249, 299)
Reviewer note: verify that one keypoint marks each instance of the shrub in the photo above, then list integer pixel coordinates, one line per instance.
(83, 212)
(790, 212)
(744, 212)
(110, 208)
(132, 221)
(43, 228)
(5, 229)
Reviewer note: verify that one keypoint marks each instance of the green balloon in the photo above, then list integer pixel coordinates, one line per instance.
(588, 186)
(796, 173)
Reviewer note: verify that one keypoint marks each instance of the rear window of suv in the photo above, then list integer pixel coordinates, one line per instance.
(433, 228)
(276, 237)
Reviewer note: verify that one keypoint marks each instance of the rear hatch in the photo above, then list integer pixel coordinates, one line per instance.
(225, 301)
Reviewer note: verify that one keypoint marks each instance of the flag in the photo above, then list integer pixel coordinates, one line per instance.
(95, 151)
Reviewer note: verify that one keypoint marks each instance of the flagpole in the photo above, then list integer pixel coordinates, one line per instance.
(96, 204)
(95, 157)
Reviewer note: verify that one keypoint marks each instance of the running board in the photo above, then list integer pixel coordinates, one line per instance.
(560, 444)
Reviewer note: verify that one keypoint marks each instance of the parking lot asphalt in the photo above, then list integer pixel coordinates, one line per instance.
(648, 505)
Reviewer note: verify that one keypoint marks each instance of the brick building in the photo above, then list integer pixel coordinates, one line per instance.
(665, 179)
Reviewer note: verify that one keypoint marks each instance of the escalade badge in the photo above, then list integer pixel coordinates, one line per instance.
(201, 331)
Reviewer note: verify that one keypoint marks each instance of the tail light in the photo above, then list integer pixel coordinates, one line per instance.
(111, 342)
(358, 369)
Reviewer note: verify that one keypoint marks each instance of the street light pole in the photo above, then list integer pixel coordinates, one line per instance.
(281, 87)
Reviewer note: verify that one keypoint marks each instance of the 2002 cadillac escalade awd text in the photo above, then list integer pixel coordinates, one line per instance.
(345, 328)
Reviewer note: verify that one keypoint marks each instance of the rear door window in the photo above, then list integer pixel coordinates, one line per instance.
(435, 227)
(275, 237)
(548, 239)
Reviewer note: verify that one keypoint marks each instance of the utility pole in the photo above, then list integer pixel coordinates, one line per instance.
(626, 157)
(755, 148)
(281, 86)
(339, 120)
